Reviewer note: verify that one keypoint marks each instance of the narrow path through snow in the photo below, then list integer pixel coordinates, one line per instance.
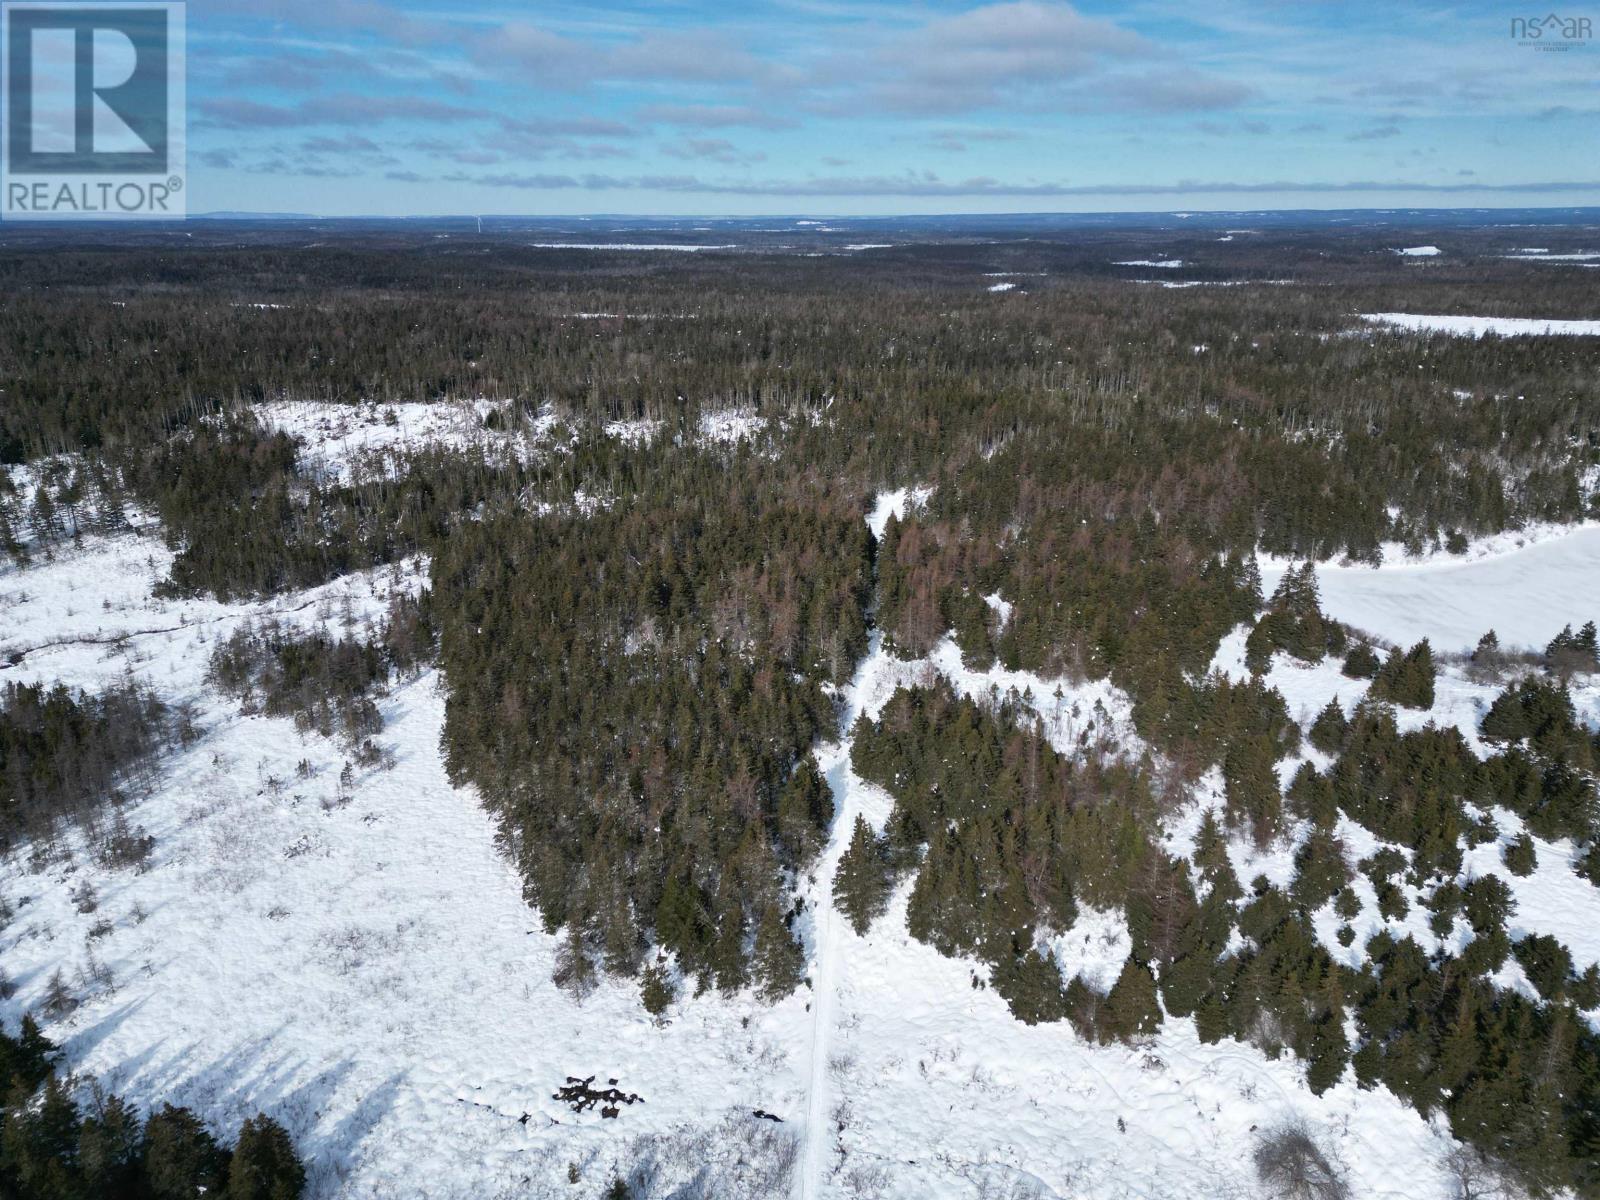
(833, 759)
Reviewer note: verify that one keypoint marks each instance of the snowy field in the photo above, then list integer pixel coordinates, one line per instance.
(686, 246)
(1524, 592)
(340, 437)
(356, 959)
(1479, 326)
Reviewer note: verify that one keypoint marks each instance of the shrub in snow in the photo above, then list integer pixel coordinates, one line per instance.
(1519, 855)
(1291, 1166)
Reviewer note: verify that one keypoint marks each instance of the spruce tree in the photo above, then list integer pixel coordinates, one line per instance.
(1254, 801)
(1031, 985)
(1361, 662)
(1407, 678)
(728, 962)
(656, 992)
(1211, 1018)
(182, 1159)
(1131, 1008)
(779, 960)
(1320, 870)
(1329, 730)
(1330, 1051)
(265, 1166)
(861, 886)
(1520, 857)
(111, 1147)
(805, 810)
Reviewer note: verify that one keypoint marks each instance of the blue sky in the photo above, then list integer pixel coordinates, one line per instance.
(841, 107)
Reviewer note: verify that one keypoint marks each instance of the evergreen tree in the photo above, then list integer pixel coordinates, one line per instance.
(1328, 731)
(264, 1165)
(1487, 653)
(182, 1159)
(1320, 870)
(1520, 857)
(728, 961)
(1361, 662)
(656, 992)
(1407, 678)
(28, 1058)
(39, 1142)
(1030, 983)
(111, 1148)
(861, 886)
(1131, 1008)
(1330, 1052)
(1254, 801)
(1570, 653)
(779, 960)
(805, 810)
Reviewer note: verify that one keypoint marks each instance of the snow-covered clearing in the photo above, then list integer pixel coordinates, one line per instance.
(337, 436)
(729, 425)
(1418, 252)
(1166, 263)
(1194, 283)
(1546, 256)
(1479, 326)
(1525, 593)
(685, 246)
(1001, 287)
(637, 432)
(898, 504)
(357, 959)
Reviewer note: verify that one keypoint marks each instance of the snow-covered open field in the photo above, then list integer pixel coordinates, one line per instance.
(358, 961)
(1525, 589)
(1479, 326)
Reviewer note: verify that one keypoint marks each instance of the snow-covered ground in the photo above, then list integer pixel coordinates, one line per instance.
(1552, 900)
(1546, 256)
(357, 959)
(1418, 252)
(729, 425)
(635, 433)
(1525, 592)
(1479, 326)
(685, 246)
(339, 436)
(1194, 283)
(1167, 263)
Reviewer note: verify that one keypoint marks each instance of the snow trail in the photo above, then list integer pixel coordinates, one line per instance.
(833, 759)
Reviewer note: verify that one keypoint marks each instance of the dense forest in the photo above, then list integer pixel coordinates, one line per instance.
(642, 634)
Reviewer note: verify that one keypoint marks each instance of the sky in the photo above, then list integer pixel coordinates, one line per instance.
(837, 107)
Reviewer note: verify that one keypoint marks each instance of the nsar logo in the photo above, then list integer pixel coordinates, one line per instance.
(1552, 31)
